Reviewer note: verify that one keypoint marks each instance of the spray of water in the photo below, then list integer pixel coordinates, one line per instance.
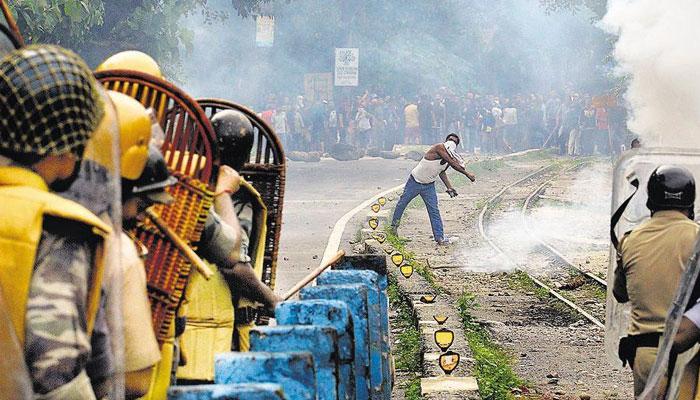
(658, 50)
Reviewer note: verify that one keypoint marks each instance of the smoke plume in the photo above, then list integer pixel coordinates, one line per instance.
(658, 50)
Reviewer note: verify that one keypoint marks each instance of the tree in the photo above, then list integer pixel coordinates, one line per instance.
(598, 7)
(99, 28)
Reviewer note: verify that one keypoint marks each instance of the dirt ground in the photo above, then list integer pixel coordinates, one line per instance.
(560, 355)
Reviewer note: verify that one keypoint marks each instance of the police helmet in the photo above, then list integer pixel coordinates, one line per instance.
(234, 133)
(50, 103)
(671, 188)
(131, 60)
(153, 181)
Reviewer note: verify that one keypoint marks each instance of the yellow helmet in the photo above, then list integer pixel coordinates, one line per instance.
(130, 120)
(132, 60)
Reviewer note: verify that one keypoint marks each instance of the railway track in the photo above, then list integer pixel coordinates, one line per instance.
(576, 297)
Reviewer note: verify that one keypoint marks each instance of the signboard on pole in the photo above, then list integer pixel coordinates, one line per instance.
(318, 86)
(264, 31)
(347, 66)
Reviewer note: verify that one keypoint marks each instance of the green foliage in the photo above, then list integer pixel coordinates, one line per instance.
(58, 21)
(408, 349)
(247, 8)
(413, 390)
(399, 244)
(598, 7)
(493, 369)
(97, 29)
(521, 281)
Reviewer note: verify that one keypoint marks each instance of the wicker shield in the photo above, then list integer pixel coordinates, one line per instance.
(191, 154)
(266, 170)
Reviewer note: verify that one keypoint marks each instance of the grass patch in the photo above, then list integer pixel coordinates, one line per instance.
(357, 237)
(407, 351)
(494, 366)
(519, 280)
(596, 292)
(399, 244)
(536, 155)
(413, 390)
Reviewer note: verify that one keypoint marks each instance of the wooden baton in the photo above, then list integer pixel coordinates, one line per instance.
(314, 274)
(180, 243)
(12, 24)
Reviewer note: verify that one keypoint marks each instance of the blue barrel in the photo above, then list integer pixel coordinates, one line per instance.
(245, 391)
(378, 360)
(378, 264)
(330, 313)
(355, 296)
(293, 371)
(320, 341)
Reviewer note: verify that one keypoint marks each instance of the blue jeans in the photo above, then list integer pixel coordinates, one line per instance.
(429, 196)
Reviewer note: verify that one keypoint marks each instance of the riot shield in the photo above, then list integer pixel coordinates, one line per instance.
(97, 188)
(638, 165)
(266, 171)
(190, 151)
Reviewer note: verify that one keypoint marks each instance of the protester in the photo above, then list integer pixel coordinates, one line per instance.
(487, 122)
(422, 179)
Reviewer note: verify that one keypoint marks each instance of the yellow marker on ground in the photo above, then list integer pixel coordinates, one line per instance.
(381, 201)
(428, 298)
(449, 361)
(373, 223)
(379, 237)
(444, 338)
(406, 270)
(397, 259)
(376, 207)
(440, 319)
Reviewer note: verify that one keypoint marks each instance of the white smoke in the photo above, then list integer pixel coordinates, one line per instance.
(659, 47)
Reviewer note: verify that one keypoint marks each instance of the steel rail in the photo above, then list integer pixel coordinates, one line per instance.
(549, 246)
(501, 252)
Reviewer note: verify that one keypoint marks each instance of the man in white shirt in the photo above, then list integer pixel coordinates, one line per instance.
(421, 182)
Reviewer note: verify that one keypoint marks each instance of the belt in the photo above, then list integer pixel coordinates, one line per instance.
(628, 346)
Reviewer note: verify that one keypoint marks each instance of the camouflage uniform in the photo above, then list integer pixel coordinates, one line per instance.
(58, 346)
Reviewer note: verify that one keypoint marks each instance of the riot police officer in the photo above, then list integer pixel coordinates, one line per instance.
(652, 258)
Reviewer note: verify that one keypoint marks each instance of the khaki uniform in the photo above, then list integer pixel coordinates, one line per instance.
(653, 259)
(141, 349)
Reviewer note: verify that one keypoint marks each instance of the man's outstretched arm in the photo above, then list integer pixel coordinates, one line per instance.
(453, 162)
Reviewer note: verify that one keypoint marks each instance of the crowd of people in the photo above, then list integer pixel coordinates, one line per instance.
(578, 124)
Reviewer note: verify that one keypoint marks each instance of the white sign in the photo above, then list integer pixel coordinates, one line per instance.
(347, 67)
(264, 31)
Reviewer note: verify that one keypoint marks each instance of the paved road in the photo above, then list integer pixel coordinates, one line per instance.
(316, 196)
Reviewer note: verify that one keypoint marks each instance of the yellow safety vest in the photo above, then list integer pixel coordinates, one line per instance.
(209, 308)
(25, 200)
